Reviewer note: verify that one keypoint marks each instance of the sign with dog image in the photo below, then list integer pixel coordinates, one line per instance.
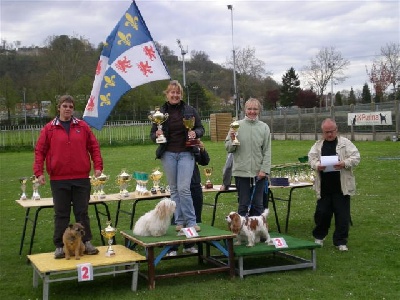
(370, 118)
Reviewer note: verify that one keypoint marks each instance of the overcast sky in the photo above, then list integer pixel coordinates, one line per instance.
(284, 33)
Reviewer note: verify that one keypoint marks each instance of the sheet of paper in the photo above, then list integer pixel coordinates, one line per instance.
(329, 162)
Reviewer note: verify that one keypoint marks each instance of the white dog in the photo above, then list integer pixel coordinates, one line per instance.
(156, 221)
(250, 229)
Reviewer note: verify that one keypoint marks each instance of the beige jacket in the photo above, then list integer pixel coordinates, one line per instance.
(348, 153)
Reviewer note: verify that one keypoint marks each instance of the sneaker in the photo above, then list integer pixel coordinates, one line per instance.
(191, 250)
(178, 227)
(90, 249)
(197, 227)
(59, 253)
(319, 242)
(171, 253)
(342, 248)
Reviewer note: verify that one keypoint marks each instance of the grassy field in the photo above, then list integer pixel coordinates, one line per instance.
(370, 270)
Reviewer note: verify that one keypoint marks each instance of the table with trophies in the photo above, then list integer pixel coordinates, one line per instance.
(36, 202)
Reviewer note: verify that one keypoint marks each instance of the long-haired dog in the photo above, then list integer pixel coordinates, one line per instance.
(249, 229)
(156, 221)
(72, 239)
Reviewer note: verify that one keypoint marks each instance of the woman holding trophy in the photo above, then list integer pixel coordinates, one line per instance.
(177, 158)
(251, 158)
(68, 146)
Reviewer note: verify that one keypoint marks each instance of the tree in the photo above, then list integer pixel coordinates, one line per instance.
(380, 77)
(306, 99)
(366, 94)
(391, 55)
(327, 65)
(352, 97)
(290, 88)
(338, 99)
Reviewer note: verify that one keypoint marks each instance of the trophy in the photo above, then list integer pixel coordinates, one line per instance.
(208, 172)
(94, 181)
(155, 177)
(123, 179)
(189, 121)
(102, 179)
(141, 180)
(23, 181)
(235, 128)
(109, 233)
(158, 118)
(35, 187)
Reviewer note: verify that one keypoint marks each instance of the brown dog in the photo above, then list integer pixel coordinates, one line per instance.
(72, 239)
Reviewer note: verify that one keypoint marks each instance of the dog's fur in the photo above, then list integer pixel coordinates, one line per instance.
(72, 239)
(156, 221)
(249, 229)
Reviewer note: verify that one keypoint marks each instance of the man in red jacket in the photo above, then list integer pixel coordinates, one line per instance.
(68, 146)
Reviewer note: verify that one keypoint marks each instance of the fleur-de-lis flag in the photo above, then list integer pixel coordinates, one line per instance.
(129, 58)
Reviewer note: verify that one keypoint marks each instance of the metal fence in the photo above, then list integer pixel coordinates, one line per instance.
(291, 123)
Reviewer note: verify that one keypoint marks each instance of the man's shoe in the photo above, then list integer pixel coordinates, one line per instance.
(171, 253)
(319, 242)
(178, 227)
(342, 248)
(197, 227)
(59, 253)
(191, 250)
(90, 249)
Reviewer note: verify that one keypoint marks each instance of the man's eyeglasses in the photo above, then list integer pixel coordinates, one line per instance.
(329, 131)
(67, 106)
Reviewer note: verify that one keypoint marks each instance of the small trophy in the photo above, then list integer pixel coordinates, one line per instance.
(109, 233)
(208, 172)
(35, 187)
(94, 181)
(123, 179)
(23, 181)
(102, 181)
(141, 180)
(158, 118)
(156, 177)
(235, 128)
(189, 121)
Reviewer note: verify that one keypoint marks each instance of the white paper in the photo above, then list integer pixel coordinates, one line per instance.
(329, 162)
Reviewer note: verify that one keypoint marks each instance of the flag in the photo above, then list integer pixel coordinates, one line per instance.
(129, 58)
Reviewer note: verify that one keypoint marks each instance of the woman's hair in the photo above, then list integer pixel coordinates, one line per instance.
(65, 98)
(174, 84)
(252, 101)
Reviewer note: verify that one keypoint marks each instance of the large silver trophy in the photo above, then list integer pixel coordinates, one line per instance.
(23, 181)
(158, 118)
(123, 180)
(35, 187)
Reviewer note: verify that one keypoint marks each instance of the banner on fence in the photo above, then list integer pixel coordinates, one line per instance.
(371, 118)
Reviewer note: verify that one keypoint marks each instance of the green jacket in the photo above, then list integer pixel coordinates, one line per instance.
(254, 152)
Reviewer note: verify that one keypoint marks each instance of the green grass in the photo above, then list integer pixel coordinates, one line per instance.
(370, 270)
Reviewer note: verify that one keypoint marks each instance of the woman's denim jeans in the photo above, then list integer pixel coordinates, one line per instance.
(178, 169)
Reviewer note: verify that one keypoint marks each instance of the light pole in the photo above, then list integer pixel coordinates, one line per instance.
(230, 7)
(183, 52)
(331, 65)
(24, 92)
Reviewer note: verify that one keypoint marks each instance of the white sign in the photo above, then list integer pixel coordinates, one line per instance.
(85, 272)
(279, 242)
(329, 162)
(190, 232)
(370, 118)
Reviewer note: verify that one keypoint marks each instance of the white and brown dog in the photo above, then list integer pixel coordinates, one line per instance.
(156, 221)
(249, 229)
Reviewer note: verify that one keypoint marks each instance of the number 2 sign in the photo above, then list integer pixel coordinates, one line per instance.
(85, 272)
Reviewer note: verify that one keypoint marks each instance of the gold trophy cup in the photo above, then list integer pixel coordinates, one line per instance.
(158, 118)
(109, 233)
(208, 172)
(23, 181)
(156, 177)
(123, 179)
(35, 187)
(102, 181)
(189, 124)
(235, 127)
(94, 181)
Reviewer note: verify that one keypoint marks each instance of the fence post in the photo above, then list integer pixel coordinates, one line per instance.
(272, 125)
(373, 108)
(352, 126)
(397, 117)
(285, 122)
(299, 122)
(315, 123)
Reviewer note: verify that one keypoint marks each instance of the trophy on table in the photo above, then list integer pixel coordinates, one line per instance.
(23, 181)
(102, 181)
(109, 233)
(235, 127)
(158, 118)
(208, 172)
(35, 187)
(156, 177)
(123, 180)
(94, 181)
(189, 122)
(141, 180)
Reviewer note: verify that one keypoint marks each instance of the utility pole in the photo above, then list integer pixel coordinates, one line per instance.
(235, 98)
(183, 52)
(24, 92)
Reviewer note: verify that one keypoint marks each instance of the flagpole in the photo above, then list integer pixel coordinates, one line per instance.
(183, 52)
(235, 98)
